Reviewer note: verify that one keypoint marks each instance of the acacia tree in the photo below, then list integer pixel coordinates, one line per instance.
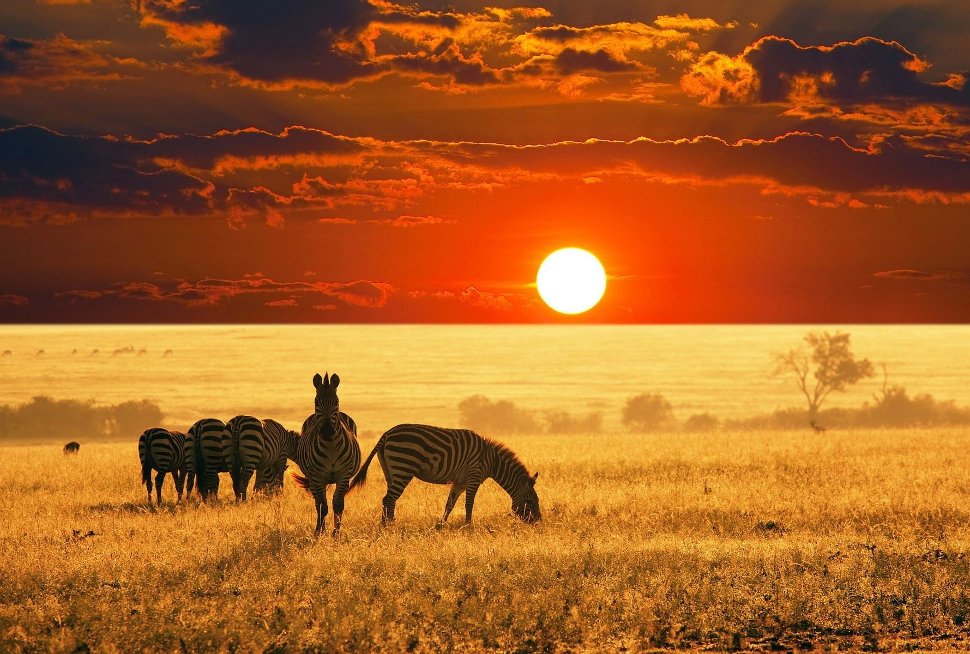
(829, 366)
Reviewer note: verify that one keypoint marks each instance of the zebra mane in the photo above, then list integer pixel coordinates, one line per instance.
(506, 453)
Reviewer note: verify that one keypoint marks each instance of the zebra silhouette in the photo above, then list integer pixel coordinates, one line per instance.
(279, 444)
(242, 449)
(459, 457)
(164, 451)
(327, 452)
(203, 451)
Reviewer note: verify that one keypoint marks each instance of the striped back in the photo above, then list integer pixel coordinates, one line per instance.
(242, 444)
(279, 444)
(204, 447)
(162, 450)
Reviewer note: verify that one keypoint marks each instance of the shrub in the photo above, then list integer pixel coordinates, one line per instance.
(648, 412)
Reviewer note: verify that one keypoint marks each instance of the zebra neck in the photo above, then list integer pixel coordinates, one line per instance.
(507, 472)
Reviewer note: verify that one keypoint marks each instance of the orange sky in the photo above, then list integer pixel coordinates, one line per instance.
(298, 161)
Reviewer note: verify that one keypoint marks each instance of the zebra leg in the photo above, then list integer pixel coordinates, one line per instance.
(453, 495)
(338, 505)
(235, 483)
(159, 480)
(179, 484)
(190, 482)
(470, 491)
(148, 484)
(395, 486)
(244, 476)
(320, 499)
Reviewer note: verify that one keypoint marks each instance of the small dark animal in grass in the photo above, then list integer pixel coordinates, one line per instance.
(164, 451)
(459, 457)
(327, 452)
(72, 447)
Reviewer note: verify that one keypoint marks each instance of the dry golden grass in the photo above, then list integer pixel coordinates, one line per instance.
(768, 540)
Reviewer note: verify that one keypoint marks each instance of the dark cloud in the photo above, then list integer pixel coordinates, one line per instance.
(570, 61)
(56, 62)
(921, 275)
(367, 294)
(93, 175)
(776, 69)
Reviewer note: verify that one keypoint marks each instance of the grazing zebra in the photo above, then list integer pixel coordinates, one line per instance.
(72, 447)
(204, 456)
(242, 449)
(457, 456)
(164, 451)
(279, 444)
(327, 452)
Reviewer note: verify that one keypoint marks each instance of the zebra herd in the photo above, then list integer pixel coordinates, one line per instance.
(327, 453)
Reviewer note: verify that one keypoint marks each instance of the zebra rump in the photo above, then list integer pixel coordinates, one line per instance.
(242, 451)
(204, 455)
(279, 444)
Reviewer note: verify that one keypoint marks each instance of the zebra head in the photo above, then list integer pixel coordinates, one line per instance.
(525, 503)
(326, 405)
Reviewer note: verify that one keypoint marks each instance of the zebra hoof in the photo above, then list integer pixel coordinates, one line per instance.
(335, 533)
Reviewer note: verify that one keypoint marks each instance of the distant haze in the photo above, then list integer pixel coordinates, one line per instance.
(394, 374)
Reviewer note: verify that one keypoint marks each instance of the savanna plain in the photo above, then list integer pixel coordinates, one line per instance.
(767, 540)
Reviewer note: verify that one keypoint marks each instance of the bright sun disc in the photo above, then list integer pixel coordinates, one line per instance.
(571, 280)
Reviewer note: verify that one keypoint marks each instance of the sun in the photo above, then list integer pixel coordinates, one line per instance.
(571, 280)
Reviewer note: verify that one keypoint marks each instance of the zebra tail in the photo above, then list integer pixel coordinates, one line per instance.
(301, 482)
(361, 477)
(146, 465)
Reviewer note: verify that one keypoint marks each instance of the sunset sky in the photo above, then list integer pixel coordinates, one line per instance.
(347, 161)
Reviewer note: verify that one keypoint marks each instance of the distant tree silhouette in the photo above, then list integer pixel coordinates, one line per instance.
(648, 412)
(563, 422)
(829, 366)
(482, 414)
(702, 422)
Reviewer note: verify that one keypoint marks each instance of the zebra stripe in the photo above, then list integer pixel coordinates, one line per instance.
(164, 451)
(279, 444)
(327, 452)
(459, 457)
(242, 450)
(204, 442)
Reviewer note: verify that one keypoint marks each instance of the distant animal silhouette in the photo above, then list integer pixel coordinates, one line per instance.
(817, 428)
(7, 353)
(128, 349)
(167, 353)
(39, 353)
(95, 352)
(74, 351)
(204, 457)
(164, 451)
(142, 351)
(457, 456)
(72, 447)
(279, 444)
(242, 448)
(327, 452)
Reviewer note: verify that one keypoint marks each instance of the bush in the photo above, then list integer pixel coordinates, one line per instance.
(648, 412)
(702, 422)
(481, 414)
(563, 422)
(47, 419)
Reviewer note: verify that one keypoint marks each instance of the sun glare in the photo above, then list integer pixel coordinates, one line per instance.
(571, 280)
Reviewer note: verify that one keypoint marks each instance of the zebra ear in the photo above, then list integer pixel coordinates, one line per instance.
(532, 479)
(334, 382)
(317, 380)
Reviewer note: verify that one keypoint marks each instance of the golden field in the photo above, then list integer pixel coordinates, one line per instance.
(846, 540)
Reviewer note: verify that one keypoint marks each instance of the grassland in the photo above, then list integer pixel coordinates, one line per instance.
(853, 540)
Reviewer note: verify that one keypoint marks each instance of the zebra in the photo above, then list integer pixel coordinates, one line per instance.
(242, 450)
(164, 451)
(72, 447)
(457, 456)
(279, 444)
(327, 452)
(204, 455)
